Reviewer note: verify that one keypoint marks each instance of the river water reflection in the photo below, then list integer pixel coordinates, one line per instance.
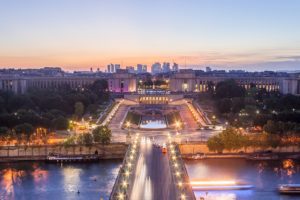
(263, 175)
(39, 180)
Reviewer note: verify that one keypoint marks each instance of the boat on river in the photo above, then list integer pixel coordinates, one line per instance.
(219, 185)
(72, 158)
(263, 157)
(198, 156)
(289, 188)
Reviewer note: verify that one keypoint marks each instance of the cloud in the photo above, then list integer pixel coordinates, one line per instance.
(292, 58)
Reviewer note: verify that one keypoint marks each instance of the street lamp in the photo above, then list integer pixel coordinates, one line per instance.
(124, 184)
(128, 124)
(214, 119)
(121, 196)
(129, 165)
(179, 183)
(182, 197)
(177, 124)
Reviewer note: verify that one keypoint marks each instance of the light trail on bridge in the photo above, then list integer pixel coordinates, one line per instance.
(153, 179)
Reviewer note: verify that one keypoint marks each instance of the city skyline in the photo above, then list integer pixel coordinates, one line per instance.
(254, 36)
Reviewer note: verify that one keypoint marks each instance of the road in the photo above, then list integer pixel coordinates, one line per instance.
(153, 179)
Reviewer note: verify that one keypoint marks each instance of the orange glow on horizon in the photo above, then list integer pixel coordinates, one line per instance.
(80, 61)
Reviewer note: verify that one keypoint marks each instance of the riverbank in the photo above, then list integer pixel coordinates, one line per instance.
(241, 156)
(201, 147)
(39, 153)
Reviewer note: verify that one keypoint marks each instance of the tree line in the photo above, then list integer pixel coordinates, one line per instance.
(232, 140)
(49, 108)
(101, 134)
(256, 107)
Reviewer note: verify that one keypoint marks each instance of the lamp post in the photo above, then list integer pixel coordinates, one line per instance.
(177, 125)
(214, 119)
(128, 137)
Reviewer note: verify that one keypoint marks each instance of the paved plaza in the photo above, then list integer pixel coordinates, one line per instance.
(189, 132)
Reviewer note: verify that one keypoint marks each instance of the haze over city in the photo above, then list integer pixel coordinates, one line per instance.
(76, 35)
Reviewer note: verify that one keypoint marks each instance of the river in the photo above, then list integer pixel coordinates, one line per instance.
(263, 175)
(43, 181)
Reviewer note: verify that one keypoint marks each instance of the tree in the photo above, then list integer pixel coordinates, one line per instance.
(224, 105)
(92, 108)
(60, 123)
(70, 141)
(3, 130)
(229, 139)
(86, 139)
(216, 144)
(237, 104)
(99, 86)
(232, 139)
(79, 109)
(102, 134)
(148, 83)
(261, 119)
(2, 105)
(159, 82)
(273, 140)
(210, 87)
(271, 127)
(229, 89)
(24, 129)
(290, 101)
(4, 133)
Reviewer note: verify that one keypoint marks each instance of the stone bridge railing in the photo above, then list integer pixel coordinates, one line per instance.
(179, 173)
(124, 181)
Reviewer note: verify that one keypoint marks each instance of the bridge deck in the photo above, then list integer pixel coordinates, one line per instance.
(153, 178)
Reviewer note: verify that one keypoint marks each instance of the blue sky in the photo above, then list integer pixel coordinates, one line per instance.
(78, 34)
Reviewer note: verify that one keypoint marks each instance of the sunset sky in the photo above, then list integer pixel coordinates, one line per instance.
(79, 34)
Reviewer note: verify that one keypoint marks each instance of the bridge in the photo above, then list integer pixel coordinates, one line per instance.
(147, 173)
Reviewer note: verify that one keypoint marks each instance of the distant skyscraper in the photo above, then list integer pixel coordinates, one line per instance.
(130, 69)
(175, 67)
(166, 67)
(208, 69)
(117, 66)
(111, 68)
(141, 68)
(156, 68)
(144, 69)
(108, 69)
